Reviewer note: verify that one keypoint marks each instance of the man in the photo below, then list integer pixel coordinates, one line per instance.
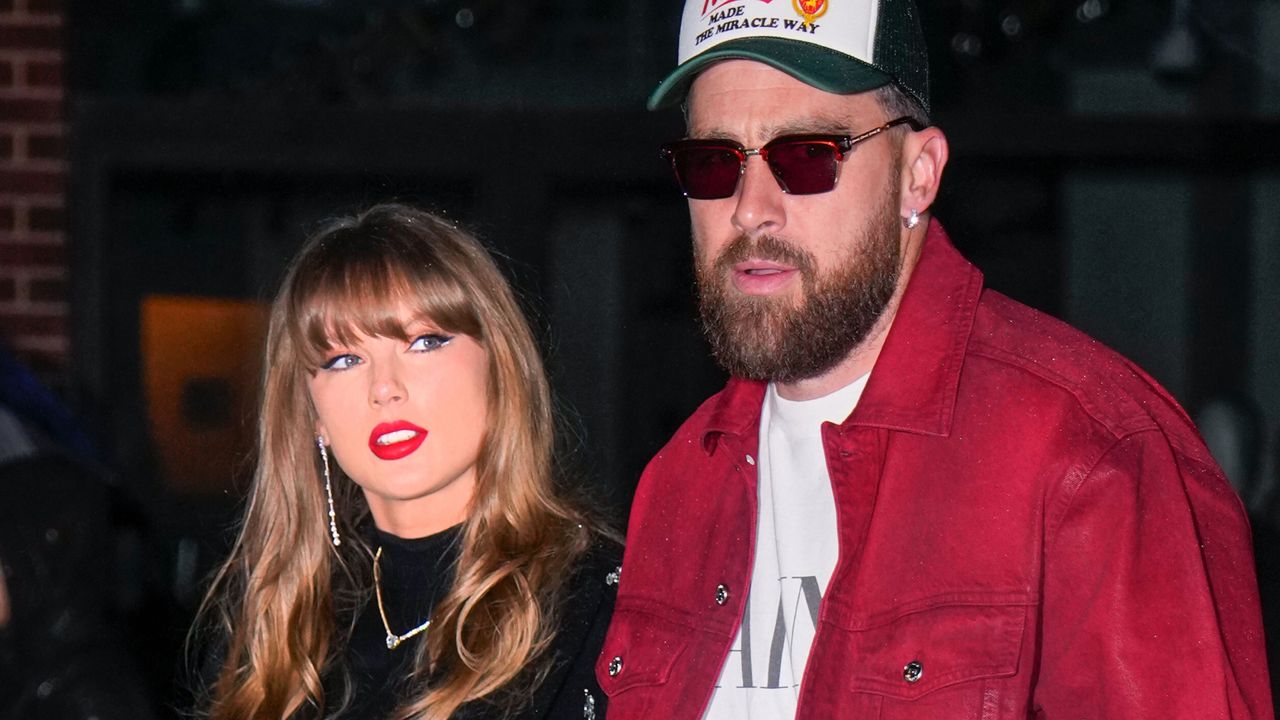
(915, 498)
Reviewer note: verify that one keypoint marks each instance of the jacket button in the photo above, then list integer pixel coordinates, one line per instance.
(615, 666)
(751, 460)
(722, 594)
(912, 672)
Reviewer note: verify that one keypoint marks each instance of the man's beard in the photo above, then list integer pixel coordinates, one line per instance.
(785, 340)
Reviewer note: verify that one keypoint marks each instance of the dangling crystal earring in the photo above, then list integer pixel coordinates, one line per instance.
(328, 491)
(912, 221)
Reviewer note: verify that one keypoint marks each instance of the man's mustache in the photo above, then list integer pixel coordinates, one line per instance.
(765, 247)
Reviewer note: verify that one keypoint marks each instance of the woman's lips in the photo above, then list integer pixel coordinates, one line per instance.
(394, 440)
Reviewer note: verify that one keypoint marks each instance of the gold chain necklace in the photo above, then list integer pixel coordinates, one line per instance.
(393, 640)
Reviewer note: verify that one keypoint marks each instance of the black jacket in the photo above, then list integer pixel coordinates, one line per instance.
(568, 692)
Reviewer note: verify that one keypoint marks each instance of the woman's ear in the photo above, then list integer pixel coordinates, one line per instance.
(924, 155)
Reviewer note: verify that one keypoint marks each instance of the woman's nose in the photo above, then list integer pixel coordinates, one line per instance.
(387, 387)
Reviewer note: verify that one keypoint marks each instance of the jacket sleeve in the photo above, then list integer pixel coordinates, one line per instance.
(1150, 605)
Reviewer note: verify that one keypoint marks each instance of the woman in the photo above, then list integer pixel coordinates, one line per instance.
(404, 552)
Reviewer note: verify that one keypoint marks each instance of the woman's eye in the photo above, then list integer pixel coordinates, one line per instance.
(429, 342)
(341, 362)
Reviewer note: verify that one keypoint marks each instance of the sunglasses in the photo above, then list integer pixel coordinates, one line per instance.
(802, 164)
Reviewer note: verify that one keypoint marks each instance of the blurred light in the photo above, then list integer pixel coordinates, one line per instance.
(967, 44)
(1177, 54)
(1011, 26)
(465, 18)
(186, 578)
(1091, 10)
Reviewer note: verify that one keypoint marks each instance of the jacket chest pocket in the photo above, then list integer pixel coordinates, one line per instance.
(949, 661)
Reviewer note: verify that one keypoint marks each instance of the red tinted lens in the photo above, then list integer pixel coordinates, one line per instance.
(803, 167)
(707, 172)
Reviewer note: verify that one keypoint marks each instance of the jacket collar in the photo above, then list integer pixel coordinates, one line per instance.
(914, 383)
(734, 411)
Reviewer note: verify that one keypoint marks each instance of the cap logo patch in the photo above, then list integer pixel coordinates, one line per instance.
(810, 10)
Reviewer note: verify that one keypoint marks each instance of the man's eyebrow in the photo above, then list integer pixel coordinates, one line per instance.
(802, 126)
(809, 126)
(708, 132)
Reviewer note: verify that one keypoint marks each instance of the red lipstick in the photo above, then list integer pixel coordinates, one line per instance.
(394, 440)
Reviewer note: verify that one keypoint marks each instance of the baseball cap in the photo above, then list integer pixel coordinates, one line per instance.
(840, 46)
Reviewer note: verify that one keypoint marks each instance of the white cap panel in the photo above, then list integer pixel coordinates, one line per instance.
(847, 26)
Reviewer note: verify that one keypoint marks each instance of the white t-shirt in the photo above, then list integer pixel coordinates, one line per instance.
(796, 552)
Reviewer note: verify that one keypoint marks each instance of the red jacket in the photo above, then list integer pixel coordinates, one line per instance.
(1029, 526)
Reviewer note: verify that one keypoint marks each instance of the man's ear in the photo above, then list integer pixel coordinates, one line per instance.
(924, 155)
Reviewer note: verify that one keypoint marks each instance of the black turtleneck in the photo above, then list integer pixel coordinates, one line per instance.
(415, 575)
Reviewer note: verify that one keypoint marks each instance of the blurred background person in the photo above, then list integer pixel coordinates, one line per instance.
(62, 656)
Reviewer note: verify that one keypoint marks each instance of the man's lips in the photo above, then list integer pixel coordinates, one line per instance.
(394, 440)
(762, 277)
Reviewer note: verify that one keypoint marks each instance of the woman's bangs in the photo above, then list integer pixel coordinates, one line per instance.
(367, 299)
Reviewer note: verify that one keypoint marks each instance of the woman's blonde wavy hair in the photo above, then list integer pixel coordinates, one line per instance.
(285, 599)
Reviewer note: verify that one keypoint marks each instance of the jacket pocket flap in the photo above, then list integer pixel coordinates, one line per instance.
(928, 650)
(639, 650)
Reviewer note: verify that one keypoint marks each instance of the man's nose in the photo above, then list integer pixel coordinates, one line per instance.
(759, 209)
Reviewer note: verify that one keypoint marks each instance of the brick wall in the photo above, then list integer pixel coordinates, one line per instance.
(33, 257)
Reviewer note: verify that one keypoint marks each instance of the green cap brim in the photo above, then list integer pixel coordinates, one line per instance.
(828, 70)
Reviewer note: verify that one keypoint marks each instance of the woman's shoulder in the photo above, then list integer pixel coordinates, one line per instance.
(586, 601)
(586, 606)
(598, 568)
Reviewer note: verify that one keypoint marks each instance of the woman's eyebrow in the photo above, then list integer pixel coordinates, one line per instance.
(421, 325)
